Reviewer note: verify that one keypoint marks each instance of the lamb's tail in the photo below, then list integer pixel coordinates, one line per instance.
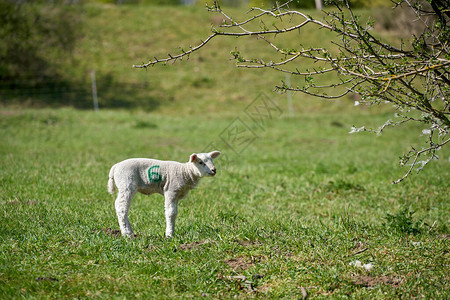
(111, 187)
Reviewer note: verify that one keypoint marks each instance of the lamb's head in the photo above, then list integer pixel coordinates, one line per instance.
(204, 162)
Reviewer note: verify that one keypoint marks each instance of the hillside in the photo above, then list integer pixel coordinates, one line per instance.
(116, 37)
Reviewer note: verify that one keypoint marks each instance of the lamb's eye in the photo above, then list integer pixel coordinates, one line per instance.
(201, 162)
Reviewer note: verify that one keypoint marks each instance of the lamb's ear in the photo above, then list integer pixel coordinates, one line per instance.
(193, 157)
(214, 154)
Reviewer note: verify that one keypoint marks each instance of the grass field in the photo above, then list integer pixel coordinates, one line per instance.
(296, 201)
(291, 211)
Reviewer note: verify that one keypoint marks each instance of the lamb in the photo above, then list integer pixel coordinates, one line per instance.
(171, 179)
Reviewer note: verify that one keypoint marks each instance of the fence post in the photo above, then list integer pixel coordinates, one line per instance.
(319, 4)
(94, 90)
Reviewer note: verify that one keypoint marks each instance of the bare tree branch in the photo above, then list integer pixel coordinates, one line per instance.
(417, 154)
(414, 77)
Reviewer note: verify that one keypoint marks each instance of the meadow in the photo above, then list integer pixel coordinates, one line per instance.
(297, 200)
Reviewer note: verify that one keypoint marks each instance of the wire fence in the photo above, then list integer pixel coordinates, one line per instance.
(91, 93)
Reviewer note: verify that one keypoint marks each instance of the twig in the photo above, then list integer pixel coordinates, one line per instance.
(184, 53)
(360, 251)
(417, 154)
(304, 293)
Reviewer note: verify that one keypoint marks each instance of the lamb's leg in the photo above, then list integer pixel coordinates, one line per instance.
(171, 210)
(122, 205)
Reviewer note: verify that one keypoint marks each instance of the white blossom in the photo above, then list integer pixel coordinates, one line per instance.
(355, 129)
(368, 267)
(356, 263)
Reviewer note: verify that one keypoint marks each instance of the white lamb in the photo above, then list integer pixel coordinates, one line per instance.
(171, 179)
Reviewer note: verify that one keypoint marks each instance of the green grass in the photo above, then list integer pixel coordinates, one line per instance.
(292, 210)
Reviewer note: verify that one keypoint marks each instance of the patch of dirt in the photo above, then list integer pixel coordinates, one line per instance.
(193, 245)
(247, 243)
(241, 263)
(370, 281)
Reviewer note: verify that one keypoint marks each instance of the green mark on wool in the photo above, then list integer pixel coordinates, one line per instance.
(154, 176)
